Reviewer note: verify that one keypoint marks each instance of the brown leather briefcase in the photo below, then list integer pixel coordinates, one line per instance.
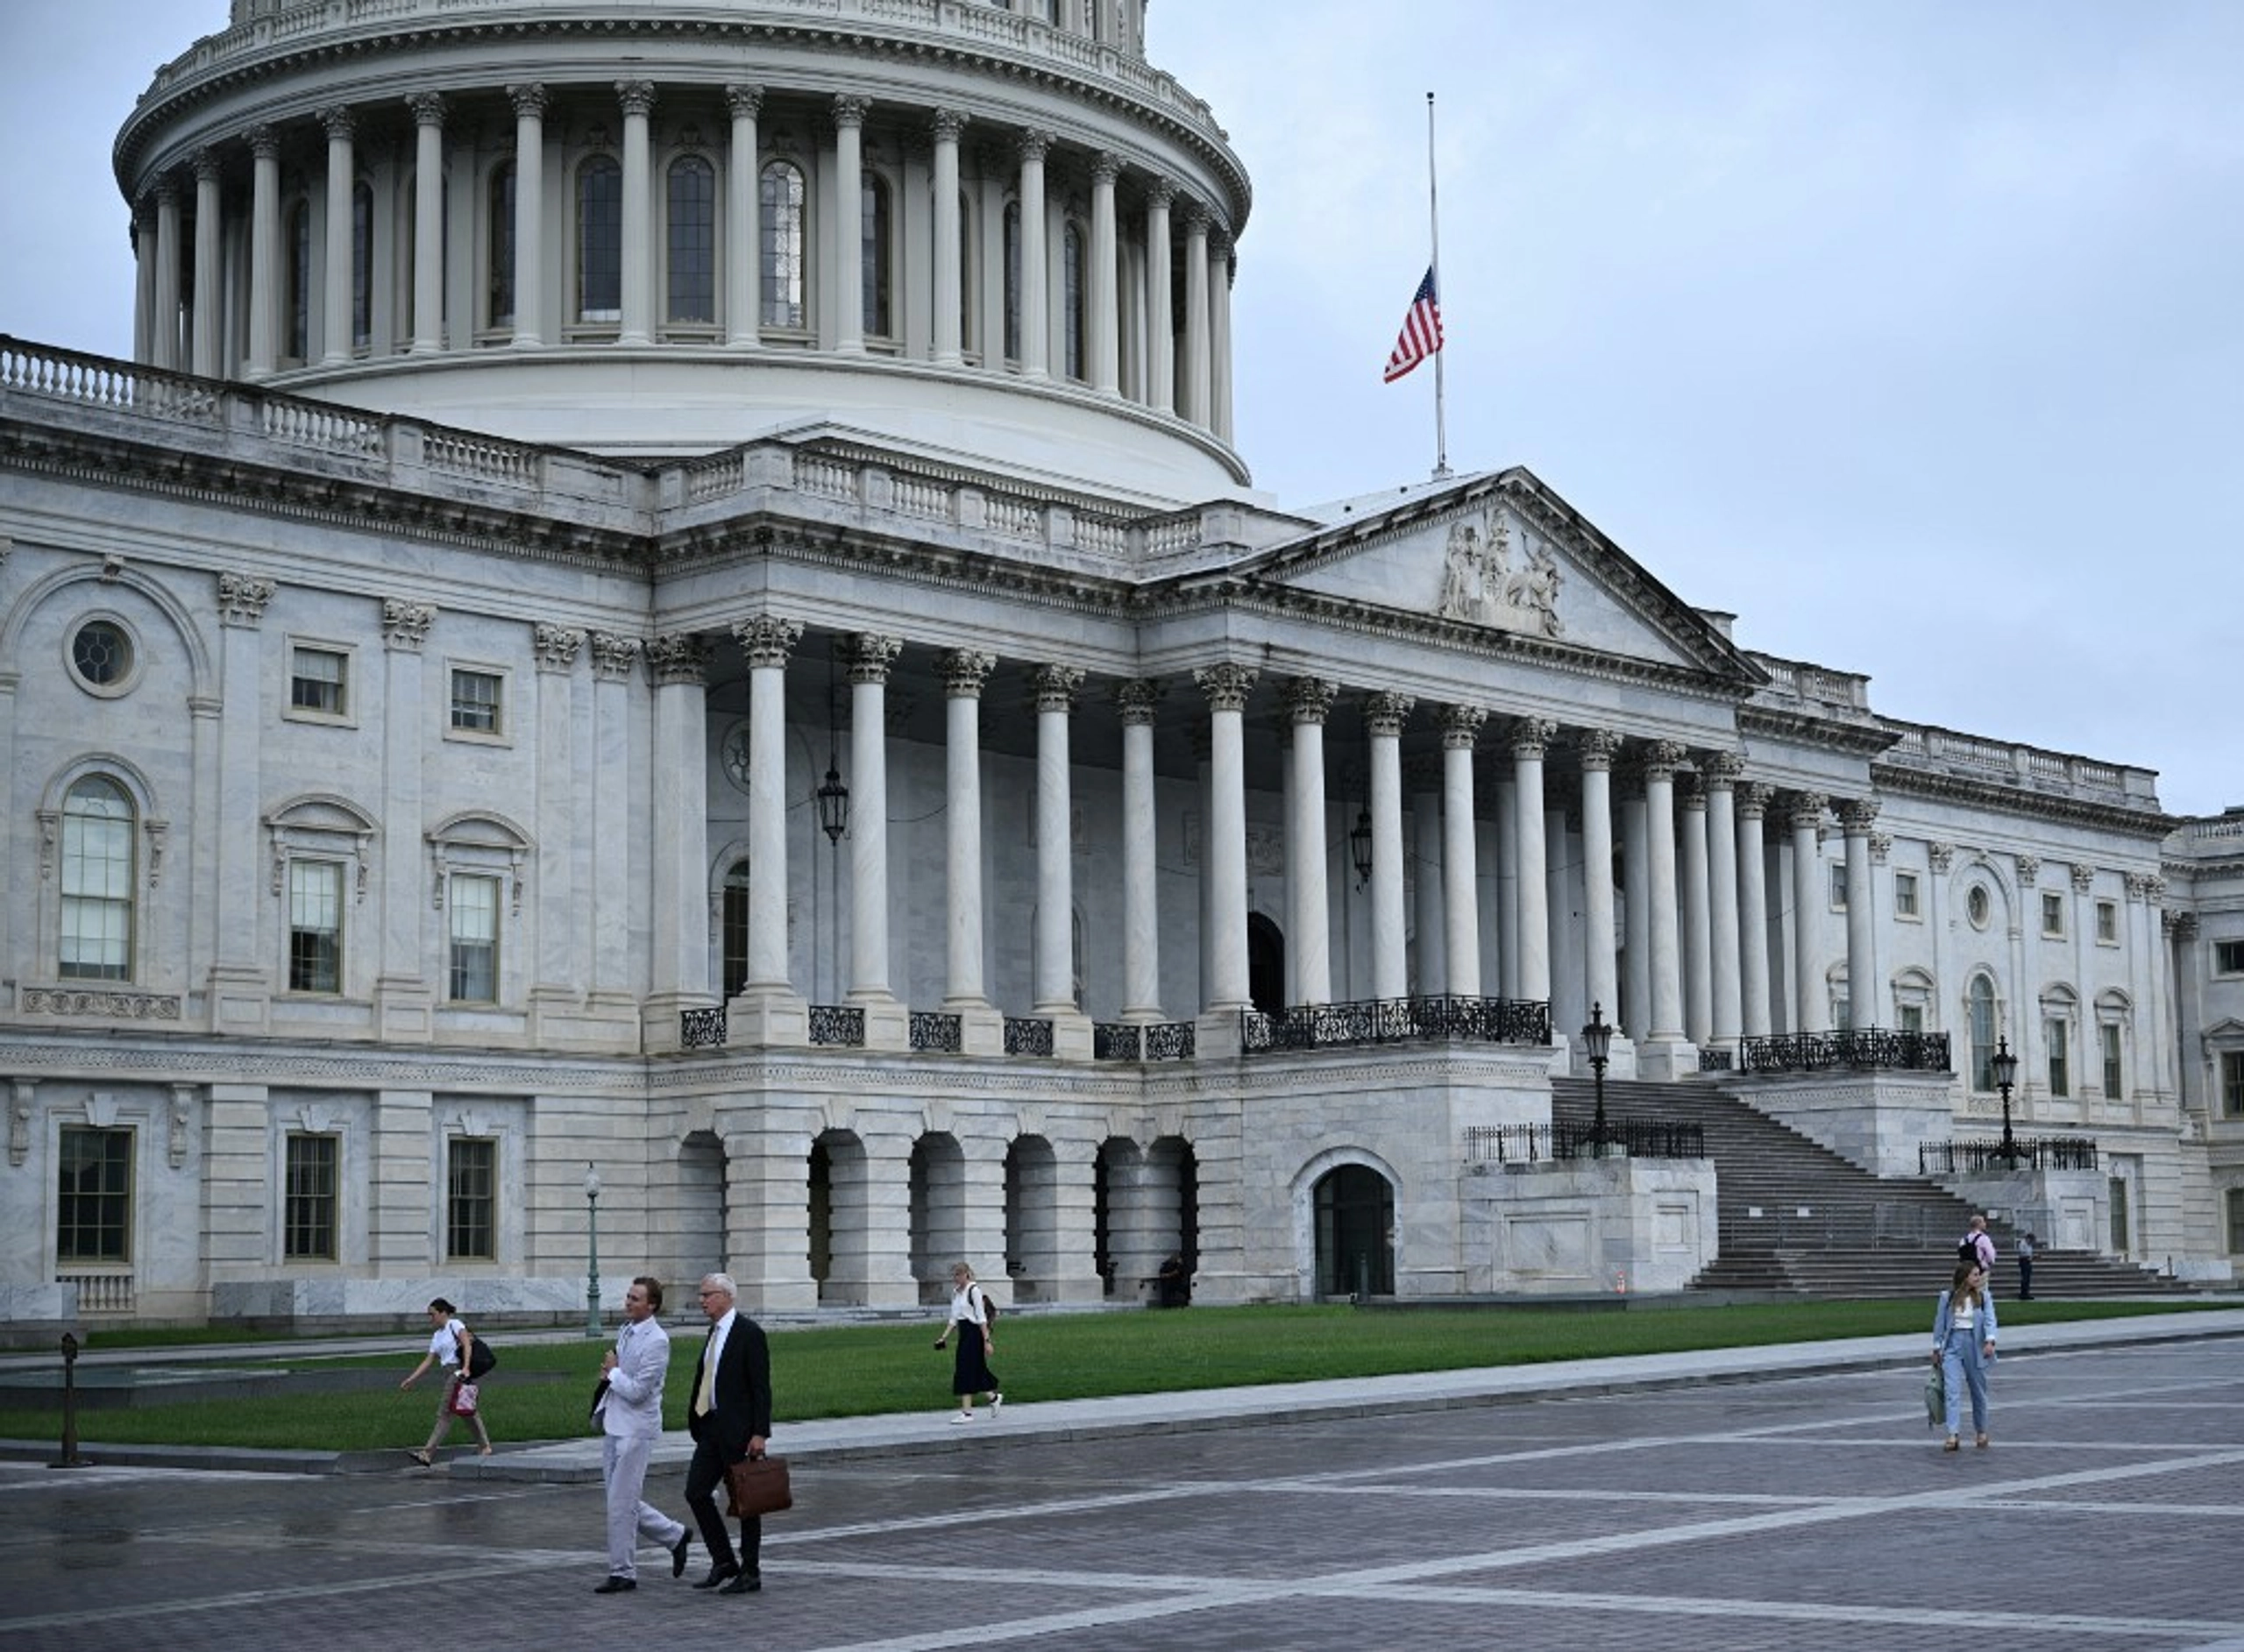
(759, 1486)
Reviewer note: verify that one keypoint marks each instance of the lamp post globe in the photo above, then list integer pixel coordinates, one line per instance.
(1597, 1045)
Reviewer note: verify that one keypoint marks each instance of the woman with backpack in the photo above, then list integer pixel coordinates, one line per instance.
(972, 1316)
(452, 1346)
(1963, 1346)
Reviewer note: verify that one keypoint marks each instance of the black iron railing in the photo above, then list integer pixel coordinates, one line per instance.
(1854, 1047)
(932, 1030)
(1027, 1035)
(1312, 1026)
(1537, 1143)
(1716, 1058)
(1143, 1041)
(841, 1023)
(1976, 1158)
(701, 1029)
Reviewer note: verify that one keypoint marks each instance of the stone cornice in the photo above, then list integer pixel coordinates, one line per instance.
(1895, 781)
(1802, 728)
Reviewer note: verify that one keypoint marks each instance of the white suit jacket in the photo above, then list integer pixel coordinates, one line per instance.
(633, 1404)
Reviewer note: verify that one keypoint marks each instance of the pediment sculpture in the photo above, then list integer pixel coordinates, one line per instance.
(1482, 583)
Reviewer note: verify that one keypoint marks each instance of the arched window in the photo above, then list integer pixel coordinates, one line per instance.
(735, 928)
(96, 882)
(600, 240)
(1073, 299)
(502, 245)
(299, 255)
(362, 266)
(781, 232)
(1979, 1001)
(873, 216)
(1012, 281)
(692, 237)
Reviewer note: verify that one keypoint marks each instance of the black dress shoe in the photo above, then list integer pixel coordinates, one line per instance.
(677, 1553)
(718, 1573)
(747, 1582)
(616, 1586)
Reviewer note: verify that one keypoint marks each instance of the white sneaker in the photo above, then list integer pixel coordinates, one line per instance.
(995, 1401)
(963, 1416)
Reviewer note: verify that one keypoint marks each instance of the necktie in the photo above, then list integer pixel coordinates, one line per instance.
(705, 1396)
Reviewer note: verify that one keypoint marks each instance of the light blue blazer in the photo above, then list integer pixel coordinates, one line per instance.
(1986, 1322)
(633, 1404)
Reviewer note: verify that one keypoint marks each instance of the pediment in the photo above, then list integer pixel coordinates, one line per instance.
(1504, 555)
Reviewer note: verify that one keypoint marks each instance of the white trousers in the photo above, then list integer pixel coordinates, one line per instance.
(623, 1459)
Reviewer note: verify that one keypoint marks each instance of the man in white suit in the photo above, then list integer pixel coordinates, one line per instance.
(628, 1407)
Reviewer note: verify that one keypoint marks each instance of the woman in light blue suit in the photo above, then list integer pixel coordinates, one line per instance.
(1963, 1346)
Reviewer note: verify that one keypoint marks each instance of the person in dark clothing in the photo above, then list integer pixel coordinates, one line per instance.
(2025, 1247)
(730, 1418)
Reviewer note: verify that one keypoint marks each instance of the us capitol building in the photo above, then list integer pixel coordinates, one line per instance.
(668, 591)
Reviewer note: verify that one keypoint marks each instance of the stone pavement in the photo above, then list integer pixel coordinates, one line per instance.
(1787, 1497)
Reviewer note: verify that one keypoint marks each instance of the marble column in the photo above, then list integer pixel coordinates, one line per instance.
(1161, 327)
(1106, 310)
(963, 673)
(1137, 701)
(1698, 937)
(209, 313)
(1421, 785)
(1507, 859)
(1529, 737)
(1055, 687)
(1309, 702)
(404, 994)
(744, 206)
(849, 225)
(1636, 872)
(871, 655)
(144, 279)
(1384, 714)
(240, 989)
(637, 98)
(342, 174)
(428, 222)
(1219, 364)
(769, 642)
(678, 774)
(264, 254)
(163, 323)
(1600, 969)
(1198, 378)
(1858, 816)
(606, 836)
(1810, 1000)
(529, 215)
(1753, 800)
(1225, 849)
(560, 972)
(1659, 1050)
(1460, 876)
(1036, 263)
(1720, 771)
(949, 347)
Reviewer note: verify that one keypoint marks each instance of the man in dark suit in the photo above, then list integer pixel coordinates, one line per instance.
(730, 1418)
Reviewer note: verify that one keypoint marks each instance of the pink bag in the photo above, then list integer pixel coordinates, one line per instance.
(464, 1398)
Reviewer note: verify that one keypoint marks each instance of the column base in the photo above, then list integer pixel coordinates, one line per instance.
(762, 1016)
(562, 1017)
(1215, 1034)
(240, 999)
(405, 1010)
(1070, 1032)
(1669, 1056)
(888, 1021)
(981, 1026)
(1620, 1061)
(659, 1031)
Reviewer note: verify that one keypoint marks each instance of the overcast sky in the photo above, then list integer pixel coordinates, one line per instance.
(1910, 333)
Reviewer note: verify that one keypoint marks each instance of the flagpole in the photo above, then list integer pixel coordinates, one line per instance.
(1433, 215)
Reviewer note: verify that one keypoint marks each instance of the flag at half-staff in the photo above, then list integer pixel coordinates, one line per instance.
(1421, 334)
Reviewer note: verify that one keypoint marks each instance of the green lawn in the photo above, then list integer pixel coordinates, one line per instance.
(540, 1390)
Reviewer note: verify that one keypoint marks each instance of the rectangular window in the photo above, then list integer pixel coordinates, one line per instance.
(473, 975)
(319, 682)
(1904, 894)
(1838, 889)
(2053, 917)
(2236, 1222)
(475, 701)
(315, 926)
(313, 1186)
(2108, 1043)
(2228, 958)
(93, 1219)
(2231, 1083)
(96, 884)
(472, 1200)
(2057, 1032)
(1913, 1018)
(2108, 922)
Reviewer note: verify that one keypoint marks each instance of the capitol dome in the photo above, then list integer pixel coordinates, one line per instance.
(638, 246)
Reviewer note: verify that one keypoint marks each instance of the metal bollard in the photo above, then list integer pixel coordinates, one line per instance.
(70, 1459)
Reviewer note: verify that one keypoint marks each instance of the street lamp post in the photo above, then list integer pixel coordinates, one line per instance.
(1597, 1045)
(592, 1250)
(2004, 1067)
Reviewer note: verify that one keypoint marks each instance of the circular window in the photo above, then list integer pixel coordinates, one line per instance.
(1978, 906)
(102, 657)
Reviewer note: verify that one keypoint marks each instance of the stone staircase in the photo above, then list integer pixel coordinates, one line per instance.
(1795, 1218)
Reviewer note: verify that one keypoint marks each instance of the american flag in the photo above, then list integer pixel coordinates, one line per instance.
(1421, 334)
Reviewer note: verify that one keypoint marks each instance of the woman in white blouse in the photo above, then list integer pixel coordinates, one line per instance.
(1963, 1346)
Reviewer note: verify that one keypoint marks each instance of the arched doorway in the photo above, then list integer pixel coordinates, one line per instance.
(1266, 965)
(1355, 1226)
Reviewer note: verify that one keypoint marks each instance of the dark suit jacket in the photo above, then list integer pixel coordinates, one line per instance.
(744, 1392)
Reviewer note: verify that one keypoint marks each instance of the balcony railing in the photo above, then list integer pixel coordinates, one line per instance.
(1312, 1026)
(1979, 1158)
(932, 1030)
(1143, 1041)
(701, 1029)
(1028, 1035)
(1855, 1048)
(1538, 1143)
(842, 1024)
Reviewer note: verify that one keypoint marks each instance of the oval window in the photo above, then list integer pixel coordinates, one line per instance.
(101, 653)
(1977, 907)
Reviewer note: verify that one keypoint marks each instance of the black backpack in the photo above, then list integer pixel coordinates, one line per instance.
(1967, 1249)
(989, 1308)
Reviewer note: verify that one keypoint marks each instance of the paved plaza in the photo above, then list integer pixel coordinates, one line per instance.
(1738, 1502)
